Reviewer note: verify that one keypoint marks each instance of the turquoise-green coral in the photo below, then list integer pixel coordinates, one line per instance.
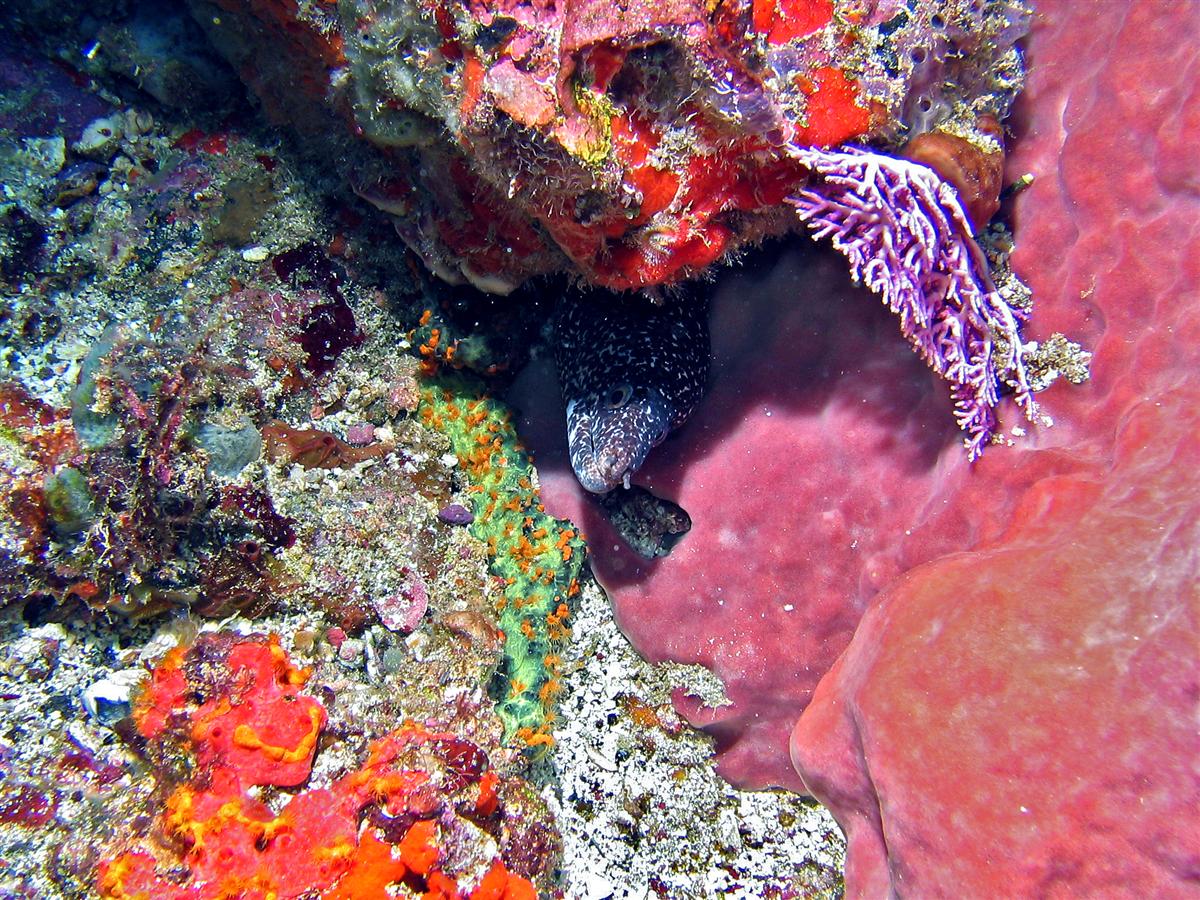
(538, 556)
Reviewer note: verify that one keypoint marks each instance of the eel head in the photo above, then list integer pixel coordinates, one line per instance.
(610, 435)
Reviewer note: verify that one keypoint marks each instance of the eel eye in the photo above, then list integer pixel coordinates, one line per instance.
(619, 396)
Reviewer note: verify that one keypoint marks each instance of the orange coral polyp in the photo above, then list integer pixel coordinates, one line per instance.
(179, 819)
(284, 670)
(373, 867)
(549, 691)
(396, 784)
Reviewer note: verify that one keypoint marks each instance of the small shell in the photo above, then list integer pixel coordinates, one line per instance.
(974, 172)
(137, 122)
(456, 514)
(77, 180)
(475, 627)
(101, 137)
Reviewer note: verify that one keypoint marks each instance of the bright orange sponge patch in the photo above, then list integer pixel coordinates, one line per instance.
(235, 705)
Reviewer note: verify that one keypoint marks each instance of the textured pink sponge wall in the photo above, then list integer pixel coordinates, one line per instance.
(819, 444)
(1021, 720)
(1015, 713)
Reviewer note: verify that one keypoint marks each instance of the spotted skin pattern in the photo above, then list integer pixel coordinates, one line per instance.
(632, 369)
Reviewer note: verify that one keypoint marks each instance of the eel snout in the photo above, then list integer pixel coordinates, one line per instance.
(608, 446)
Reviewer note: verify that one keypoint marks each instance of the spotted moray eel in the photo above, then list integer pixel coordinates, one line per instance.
(632, 369)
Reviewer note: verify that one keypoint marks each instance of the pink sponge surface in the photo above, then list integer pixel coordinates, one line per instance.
(818, 445)
(824, 468)
(1020, 720)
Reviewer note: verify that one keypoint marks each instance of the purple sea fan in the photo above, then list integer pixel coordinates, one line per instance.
(907, 238)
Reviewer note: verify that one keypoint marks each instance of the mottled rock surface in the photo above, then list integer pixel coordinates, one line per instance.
(1020, 720)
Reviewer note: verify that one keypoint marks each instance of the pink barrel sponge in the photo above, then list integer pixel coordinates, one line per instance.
(1020, 720)
(819, 444)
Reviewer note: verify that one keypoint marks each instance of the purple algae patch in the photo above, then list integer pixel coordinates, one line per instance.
(44, 98)
(329, 328)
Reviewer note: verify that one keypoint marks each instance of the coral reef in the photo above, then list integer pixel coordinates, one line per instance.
(637, 147)
(223, 397)
(438, 819)
(129, 487)
(225, 400)
(136, 491)
(134, 305)
(1015, 670)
